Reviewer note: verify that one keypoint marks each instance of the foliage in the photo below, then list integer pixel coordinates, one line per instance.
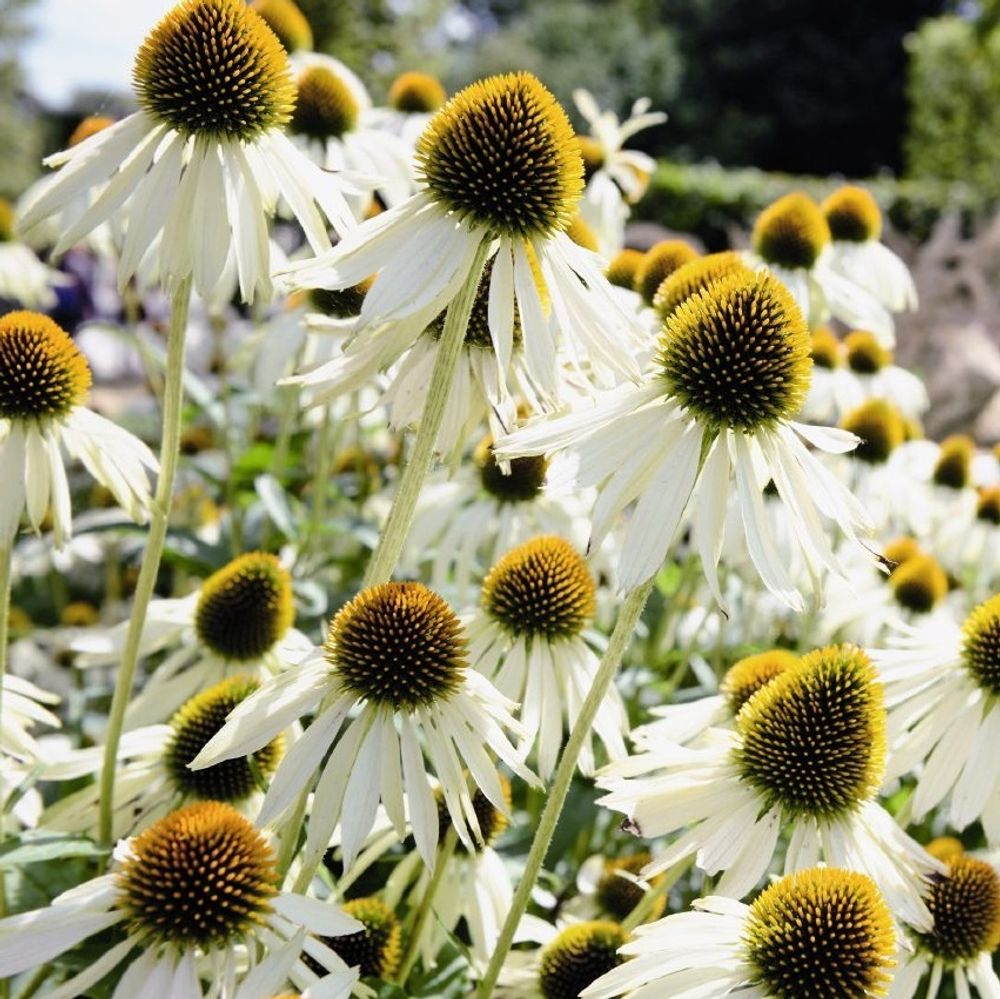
(19, 137)
(710, 201)
(954, 93)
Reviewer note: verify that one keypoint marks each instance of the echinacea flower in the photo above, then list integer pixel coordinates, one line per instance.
(821, 933)
(227, 918)
(239, 620)
(791, 239)
(153, 778)
(942, 683)
(529, 638)
(499, 165)
(44, 379)
(965, 903)
(197, 171)
(466, 521)
(23, 277)
(855, 222)
(659, 262)
(808, 754)
(616, 177)
(720, 400)
(331, 120)
(687, 721)
(398, 651)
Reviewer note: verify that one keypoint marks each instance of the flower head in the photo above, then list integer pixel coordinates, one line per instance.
(624, 268)
(954, 464)
(791, 232)
(694, 276)
(662, 260)
(852, 214)
(578, 956)
(414, 93)
(287, 21)
(748, 675)
(865, 354)
(42, 371)
(737, 355)
(377, 948)
(214, 67)
(981, 646)
(216, 869)
(825, 348)
(501, 154)
(880, 427)
(919, 583)
(399, 645)
(245, 608)
(325, 106)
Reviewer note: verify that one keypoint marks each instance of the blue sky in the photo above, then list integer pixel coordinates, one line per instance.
(85, 43)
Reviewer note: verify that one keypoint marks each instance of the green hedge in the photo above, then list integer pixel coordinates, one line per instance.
(707, 200)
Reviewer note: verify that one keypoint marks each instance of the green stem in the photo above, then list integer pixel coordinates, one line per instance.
(618, 643)
(173, 393)
(5, 560)
(390, 543)
(426, 906)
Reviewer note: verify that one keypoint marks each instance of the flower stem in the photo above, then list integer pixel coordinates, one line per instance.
(173, 393)
(627, 620)
(426, 906)
(390, 543)
(5, 559)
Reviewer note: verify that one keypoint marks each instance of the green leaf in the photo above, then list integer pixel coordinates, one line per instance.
(32, 849)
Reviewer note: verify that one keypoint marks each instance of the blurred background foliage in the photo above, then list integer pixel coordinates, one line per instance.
(761, 95)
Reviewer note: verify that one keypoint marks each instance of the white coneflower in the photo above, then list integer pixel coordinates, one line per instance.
(879, 378)
(855, 222)
(821, 933)
(332, 118)
(481, 389)
(529, 638)
(475, 887)
(661, 261)
(43, 381)
(153, 777)
(965, 904)
(466, 521)
(239, 619)
(616, 177)
(688, 721)
(807, 753)
(24, 705)
(23, 277)
(200, 167)
(791, 239)
(226, 920)
(413, 99)
(498, 166)
(942, 683)
(398, 651)
(732, 371)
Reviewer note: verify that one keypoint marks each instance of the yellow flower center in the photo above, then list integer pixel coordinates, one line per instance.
(416, 93)
(745, 677)
(812, 741)
(477, 332)
(87, 127)
(342, 303)
(901, 550)
(695, 276)
(618, 896)
(988, 505)
(245, 608)
(865, 355)
(825, 348)
(201, 877)
(879, 425)
(215, 68)
(623, 268)
(981, 645)
(194, 724)
(502, 154)
(325, 107)
(822, 933)
(659, 263)
(79, 614)
(578, 956)
(543, 588)
(852, 214)
(287, 21)
(965, 904)
(582, 234)
(524, 481)
(376, 949)
(919, 584)
(42, 371)
(593, 155)
(737, 354)
(947, 849)
(6, 221)
(954, 465)
(492, 822)
(399, 645)
(791, 232)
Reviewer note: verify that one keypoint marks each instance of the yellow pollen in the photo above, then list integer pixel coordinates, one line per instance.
(87, 127)
(919, 584)
(623, 268)
(852, 214)
(659, 263)
(880, 426)
(416, 93)
(695, 276)
(582, 234)
(745, 677)
(865, 355)
(954, 465)
(287, 21)
(325, 107)
(825, 348)
(791, 232)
